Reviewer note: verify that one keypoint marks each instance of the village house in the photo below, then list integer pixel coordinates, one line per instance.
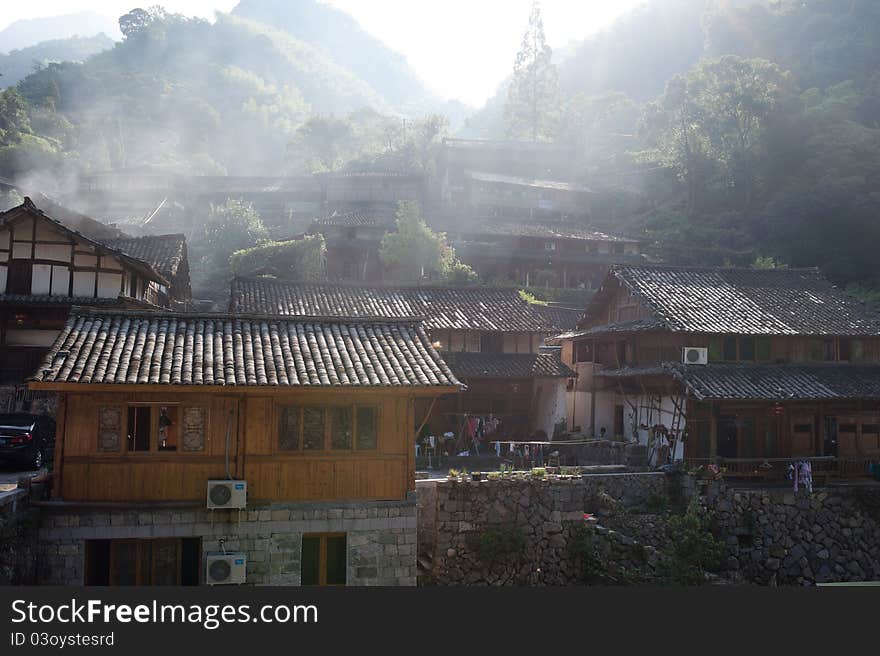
(52, 258)
(744, 367)
(206, 448)
(353, 239)
(490, 337)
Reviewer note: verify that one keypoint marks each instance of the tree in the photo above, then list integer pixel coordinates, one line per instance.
(533, 96)
(233, 226)
(320, 144)
(712, 120)
(137, 20)
(414, 251)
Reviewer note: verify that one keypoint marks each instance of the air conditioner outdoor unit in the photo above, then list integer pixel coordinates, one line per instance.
(225, 569)
(227, 494)
(695, 355)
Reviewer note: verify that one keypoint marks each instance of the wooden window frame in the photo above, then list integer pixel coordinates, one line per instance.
(322, 556)
(154, 450)
(141, 549)
(328, 427)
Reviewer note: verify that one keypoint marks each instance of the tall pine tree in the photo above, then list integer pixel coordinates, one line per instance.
(532, 105)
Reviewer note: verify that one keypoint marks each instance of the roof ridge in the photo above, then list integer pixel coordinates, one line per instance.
(80, 310)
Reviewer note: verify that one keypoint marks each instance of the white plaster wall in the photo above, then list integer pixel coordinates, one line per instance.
(83, 283)
(551, 404)
(3, 279)
(60, 280)
(40, 278)
(109, 285)
(57, 252)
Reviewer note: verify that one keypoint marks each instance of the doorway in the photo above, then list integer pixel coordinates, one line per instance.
(727, 436)
(829, 436)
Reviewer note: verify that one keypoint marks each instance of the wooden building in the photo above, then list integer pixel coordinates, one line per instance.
(45, 268)
(566, 255)
(747, 367)
(315, 417)
(490, 337)
(353, 239)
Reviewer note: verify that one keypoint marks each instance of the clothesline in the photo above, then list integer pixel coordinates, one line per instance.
(554, 443)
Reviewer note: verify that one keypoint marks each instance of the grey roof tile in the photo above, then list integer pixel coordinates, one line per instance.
(163, 348)
(746, 301)
(507, 365)
(442, 308)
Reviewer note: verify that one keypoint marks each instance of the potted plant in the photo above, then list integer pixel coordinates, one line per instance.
(476, 476)
(494, 476)
(539, 472)
(452, 475)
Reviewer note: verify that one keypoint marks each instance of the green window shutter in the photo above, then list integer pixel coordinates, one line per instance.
(716, 349)
(763, 349)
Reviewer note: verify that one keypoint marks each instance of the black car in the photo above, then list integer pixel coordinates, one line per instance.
(26, 440)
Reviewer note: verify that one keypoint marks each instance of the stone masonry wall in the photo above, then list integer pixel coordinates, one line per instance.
(381, 538)
(541, 511)
(18, 533)
(776, 537)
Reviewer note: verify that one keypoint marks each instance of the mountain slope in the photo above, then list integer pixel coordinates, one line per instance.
(30, 32)
(18, 64)
(346, 43)
(200, 97)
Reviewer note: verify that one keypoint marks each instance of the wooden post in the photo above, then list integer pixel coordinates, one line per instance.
(58, 461)
(241, 434)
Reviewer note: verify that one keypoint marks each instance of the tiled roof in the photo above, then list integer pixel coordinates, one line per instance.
(355, 220)
(188, 349)
(746, 301)
(560, 318)
(526, 182)
(759, 382)
(634, 326)
(163, 252)
(507, 365)
(442, 308)
(49, 300)
(544, 230)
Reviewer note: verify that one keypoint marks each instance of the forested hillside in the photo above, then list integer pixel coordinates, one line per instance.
(730, 131)
(185, 94)
(18, 64)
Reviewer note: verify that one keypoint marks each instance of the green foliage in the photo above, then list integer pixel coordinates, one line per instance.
(767, 263)
(692, 550)
(415, 252)
(494, 544)
(530, 298)
(296, 259)
(532, 105)
(233, 226)
(596, 568)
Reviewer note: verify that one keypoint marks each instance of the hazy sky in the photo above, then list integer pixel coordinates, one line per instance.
(460, 48)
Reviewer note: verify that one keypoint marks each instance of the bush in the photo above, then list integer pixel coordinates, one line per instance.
(692, 550)
(494, 544)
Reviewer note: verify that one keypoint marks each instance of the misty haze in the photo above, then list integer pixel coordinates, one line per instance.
(450, 262)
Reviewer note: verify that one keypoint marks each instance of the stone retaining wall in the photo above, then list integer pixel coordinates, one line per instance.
(540, 512)
(381, 538)
(774, 536)
(18, 539)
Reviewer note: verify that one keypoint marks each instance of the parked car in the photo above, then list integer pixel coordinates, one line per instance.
(26, 440)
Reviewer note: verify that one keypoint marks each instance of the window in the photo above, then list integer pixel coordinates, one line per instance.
(366, 428)
(491, 343)
(155, 427)
(19, 277)
(340, 427)
(729, 352)
(165, 561)
(549, 245)
(822, 350)
(617, 249)
(746, 348)
(313, 428)
(324, 559)
(139, 424)
(583, 351)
